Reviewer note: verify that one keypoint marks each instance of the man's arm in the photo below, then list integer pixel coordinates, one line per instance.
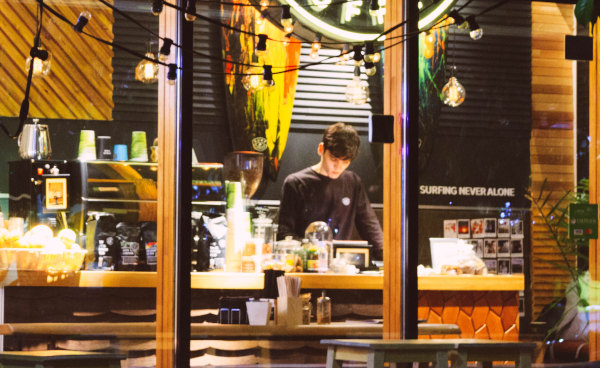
(367, 224)
(288, 210)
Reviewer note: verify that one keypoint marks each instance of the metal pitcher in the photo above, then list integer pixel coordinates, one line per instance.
(34, 141)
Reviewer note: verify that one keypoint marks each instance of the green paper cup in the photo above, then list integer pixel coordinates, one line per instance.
(139, 148)
(87, 145)
(234, 194)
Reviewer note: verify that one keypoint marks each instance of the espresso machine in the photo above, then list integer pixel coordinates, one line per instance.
(40, 191)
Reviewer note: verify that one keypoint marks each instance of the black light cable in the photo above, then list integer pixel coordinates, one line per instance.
(34, 52)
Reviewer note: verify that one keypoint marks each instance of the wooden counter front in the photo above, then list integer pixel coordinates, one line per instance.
(254, 281)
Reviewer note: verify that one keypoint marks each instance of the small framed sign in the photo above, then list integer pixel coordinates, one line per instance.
(56, 193)
(358, 257)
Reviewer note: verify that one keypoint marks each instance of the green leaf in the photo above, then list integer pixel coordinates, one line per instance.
(584, 12)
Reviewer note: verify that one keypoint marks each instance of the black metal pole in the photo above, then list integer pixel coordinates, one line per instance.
(183, 235)
(410, 173)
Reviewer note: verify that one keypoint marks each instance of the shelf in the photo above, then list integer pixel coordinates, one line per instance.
(254, 281)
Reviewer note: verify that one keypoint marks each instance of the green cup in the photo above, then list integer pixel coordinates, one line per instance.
(139, 148)
(87, 145)
(234, 194)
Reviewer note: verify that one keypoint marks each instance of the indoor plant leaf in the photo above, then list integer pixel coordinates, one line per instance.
(584, 12)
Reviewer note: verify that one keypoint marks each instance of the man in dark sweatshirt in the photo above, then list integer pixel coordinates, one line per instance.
(328, 192)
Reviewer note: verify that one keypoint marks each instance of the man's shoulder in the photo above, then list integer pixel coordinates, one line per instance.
(300, 176)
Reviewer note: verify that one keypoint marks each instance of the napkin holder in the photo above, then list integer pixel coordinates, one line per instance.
(289, 310)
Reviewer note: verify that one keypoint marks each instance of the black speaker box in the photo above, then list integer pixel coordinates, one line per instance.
(381, 129)
(579, 48)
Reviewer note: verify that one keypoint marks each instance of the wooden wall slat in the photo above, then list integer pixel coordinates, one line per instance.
(551, 145)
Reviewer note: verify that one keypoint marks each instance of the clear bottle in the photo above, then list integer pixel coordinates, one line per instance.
(323, 309)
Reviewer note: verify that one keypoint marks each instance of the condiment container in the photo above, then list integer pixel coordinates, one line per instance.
(323, 309)
(291, 254)
(319, 234)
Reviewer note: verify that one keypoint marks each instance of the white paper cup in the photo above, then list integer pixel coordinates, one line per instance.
(258, 312)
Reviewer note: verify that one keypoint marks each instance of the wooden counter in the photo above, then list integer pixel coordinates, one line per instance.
(254, 281)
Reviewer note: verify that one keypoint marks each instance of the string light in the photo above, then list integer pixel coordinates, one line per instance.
(172, 74)
(358, 56)
(165, 50)
(84, 18)
(41, 60)
(190, 11)
(375, 10)
(157, 7)
(261, 45)
(315, 47)
(370, 55)
(264, 4)
(453, 93)
(286, 19)
(476, 32)
(147, 71)
(261, 18)
(344, 55)
(286, 39)
(268, 76)
(370, 68)
(357, 91)
(253, 79)
(458, 19)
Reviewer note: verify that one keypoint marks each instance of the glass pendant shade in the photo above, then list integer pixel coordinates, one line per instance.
(41, 68)
(252, 79)
(453, 93)
(357, 91)
(147, 71)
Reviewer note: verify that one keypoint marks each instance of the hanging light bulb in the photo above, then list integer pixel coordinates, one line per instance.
(458, 19)
(84, 18)
(260, 20)
(190, 11)
(476, 32)
(253, 79)
(370, 55)
(358, 56)
(287, 39)
(375, 9)
(268, 76)
(41, 60)
(315, 47)
(286, 19)
(172, 74)
(357, 91)
(453, 93)
(261, 45)
(370, 69)
(147, 71)
(157, 7)
(264, 4)
(165, 49)
(344, 55)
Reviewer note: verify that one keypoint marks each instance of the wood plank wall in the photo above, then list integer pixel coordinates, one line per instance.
(552, 150)
(79, 85)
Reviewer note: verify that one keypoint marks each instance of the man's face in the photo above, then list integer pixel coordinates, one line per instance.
(332, 166)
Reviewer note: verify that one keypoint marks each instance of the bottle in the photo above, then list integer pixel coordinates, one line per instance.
(323, 309)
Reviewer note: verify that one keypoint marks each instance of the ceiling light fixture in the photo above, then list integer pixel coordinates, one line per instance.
(453, 93)
(82, 20)
(286, 19)
(357, 91)
(147, 71)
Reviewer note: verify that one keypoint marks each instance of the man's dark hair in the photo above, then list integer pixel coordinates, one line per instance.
(342, 141)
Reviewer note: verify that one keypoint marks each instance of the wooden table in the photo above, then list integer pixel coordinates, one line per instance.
(147, 330)
(59, 359)
(377, 352)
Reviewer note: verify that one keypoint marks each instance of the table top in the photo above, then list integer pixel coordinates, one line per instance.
(428, 344)
(204, 330)
(56, 355)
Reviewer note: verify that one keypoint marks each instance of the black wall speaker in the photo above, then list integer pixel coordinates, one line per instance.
(381, 129)
(579, 48)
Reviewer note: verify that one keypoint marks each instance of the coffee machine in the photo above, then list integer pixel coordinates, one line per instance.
(40, 192)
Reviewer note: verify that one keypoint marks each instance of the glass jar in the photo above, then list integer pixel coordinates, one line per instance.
(323, 309)
(291, 254)
(320, 236)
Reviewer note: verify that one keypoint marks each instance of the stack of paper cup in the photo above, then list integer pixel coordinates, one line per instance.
(87, 145)
(139, 147)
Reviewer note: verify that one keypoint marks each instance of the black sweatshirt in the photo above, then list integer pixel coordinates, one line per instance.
(307, 196)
